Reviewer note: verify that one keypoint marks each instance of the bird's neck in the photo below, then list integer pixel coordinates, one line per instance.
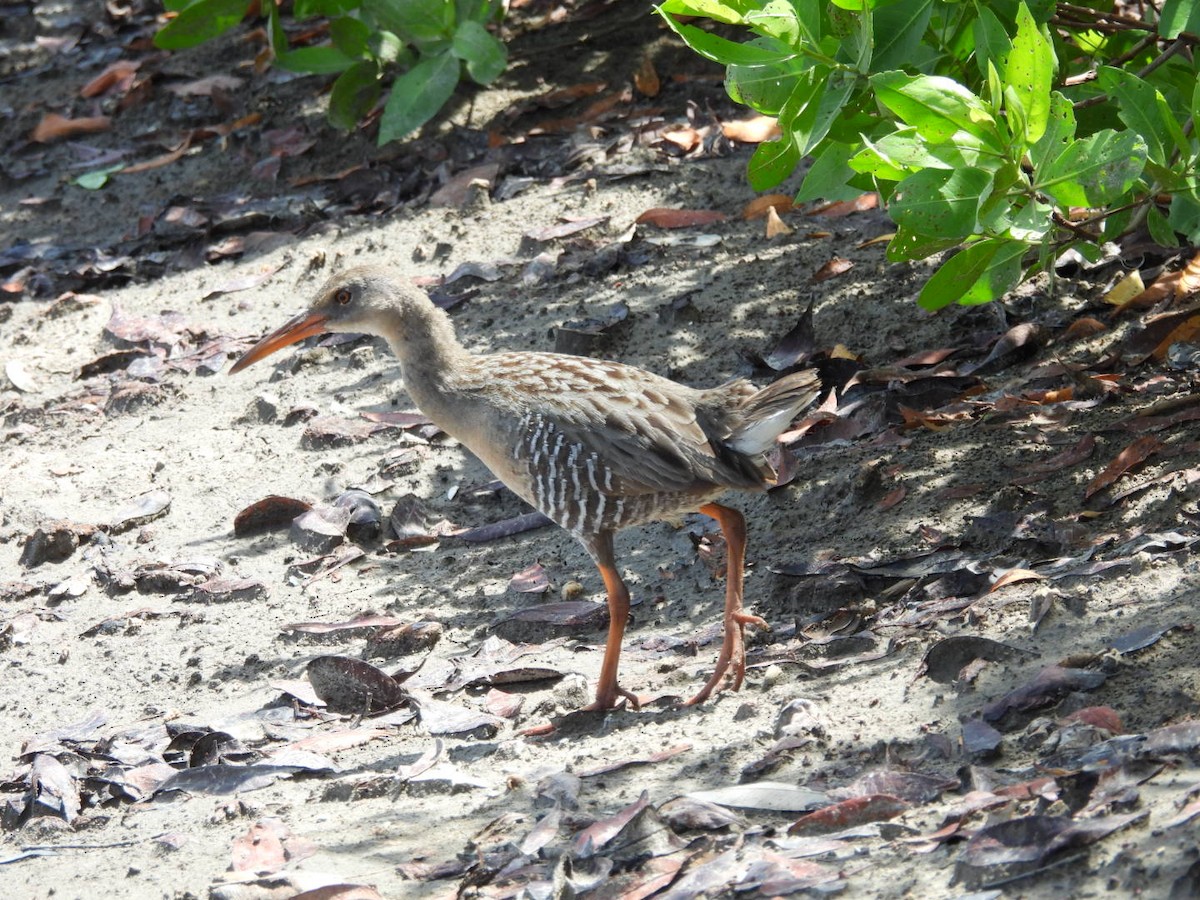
(430, 355)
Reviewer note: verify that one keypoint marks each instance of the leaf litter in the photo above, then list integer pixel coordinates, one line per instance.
(911, 598)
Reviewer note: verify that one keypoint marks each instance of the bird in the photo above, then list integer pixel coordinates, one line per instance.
(596, 446)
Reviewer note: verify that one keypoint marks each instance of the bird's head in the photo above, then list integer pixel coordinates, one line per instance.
(362, 300)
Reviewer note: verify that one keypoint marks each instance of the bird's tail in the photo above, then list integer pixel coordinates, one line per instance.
(768, 412)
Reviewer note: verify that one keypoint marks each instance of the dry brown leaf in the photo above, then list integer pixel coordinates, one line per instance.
(53, 127)
(679, 218)
(1189, 281)
(645, 79)
(1084, 327)
(260, 849)
(686, 139)
(752, 131)
(1133, 455)
(860, 203)
(760, 206)
(878, 239)
(775, 225)
(1125, 290)
(1012, 576)
(118, 74)
(1164, 287)
(1183, 332)
(832, 269)
(841, 351)
(892, 498)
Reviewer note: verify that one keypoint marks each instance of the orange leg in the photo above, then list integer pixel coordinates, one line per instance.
(607, 689)
(733, 647)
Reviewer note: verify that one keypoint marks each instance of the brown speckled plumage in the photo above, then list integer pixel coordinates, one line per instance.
(597, 446)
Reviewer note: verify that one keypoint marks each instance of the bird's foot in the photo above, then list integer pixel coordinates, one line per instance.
(607, 697)
(745, 618)
(732, 656)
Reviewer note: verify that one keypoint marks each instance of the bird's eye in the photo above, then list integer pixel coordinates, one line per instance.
(342, 297)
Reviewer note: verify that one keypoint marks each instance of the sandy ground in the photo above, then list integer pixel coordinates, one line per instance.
(839, 690)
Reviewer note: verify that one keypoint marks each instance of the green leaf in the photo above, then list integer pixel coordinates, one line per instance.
(898, 31)
(307, 9)
(937, 106)
(808, 116)
(314, 60)
(353, 95)
(992, 43)
(351, 36)
(941, 203)
(950, 282)
(730, 12)
(893, 157)
(979, 273)
(777, 19)
(718, 49)
(828, 175)
(200, 22)
(1184, 216)
(1177, 17)
(909, 244)
(417, 21)
(1014, 113)
(1029, 71)
(1094, 170)
(93, 181)
(763, 88)
(417, 95)
(1059, 133)
(388, 48)
(1142, 108)
(1160, 229)
(1032, 222)
(478, 48)
(772, 162)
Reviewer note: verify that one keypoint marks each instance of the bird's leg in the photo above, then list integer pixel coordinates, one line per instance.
(733, 647)
(607, 689)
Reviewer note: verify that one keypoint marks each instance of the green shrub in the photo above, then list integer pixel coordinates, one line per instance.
(1008, 129)
(432, 42)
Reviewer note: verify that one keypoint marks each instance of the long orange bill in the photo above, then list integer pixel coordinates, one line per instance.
(297, 329)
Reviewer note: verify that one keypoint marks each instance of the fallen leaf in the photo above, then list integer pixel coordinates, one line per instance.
(531, 580)
(353, 686)
(260, 849)
(1125, 290)
(268, 514)
(839, 208)
(776, 227)
(1129, 458)
(19, 377)
(946, 659)
(1013, 576)
(207, 86)
(1049, 685)
(54, 127)
(848, 813)
(752, 131)
(645, 79)
(118, 74)
(760, 206)
(766, 795)
(832, 269)
(679, 218)
(1183, 333)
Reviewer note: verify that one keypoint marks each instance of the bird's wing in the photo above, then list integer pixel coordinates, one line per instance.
(625, 431)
